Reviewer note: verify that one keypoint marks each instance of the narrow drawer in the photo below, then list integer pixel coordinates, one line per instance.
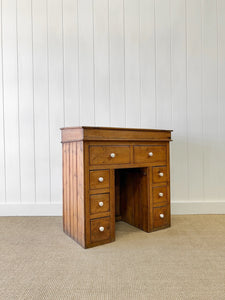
(100, 155)
(160, 195)
(159, 174)
(100, 229)
(99, 179)
(161, 216)
(149, 154)
(99, 203)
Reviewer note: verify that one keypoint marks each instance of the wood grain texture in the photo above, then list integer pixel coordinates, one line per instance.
(96, 200)
(80, 194)
(73, 190)
(156, 171)
(100, 155)
(96, 234)
(161, 217)
(166, 70)
(160, 195)
(133, 197)
(142, 154)
(66, 188)
(73, 194)
(111, 133)
(95, 182)
(129, 190)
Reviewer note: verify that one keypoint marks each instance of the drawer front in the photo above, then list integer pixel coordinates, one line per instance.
(99, 179)
(161, 216)
(99, 203)
(100, 155)
(159, 174)
(149, 154)
(160, 195)
(100, 229)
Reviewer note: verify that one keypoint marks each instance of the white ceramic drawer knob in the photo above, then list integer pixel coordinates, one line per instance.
(161, 216)
(101, 228)
(150, 154)
(101, 179)
(161, 174)
(101, 203)
(112, 155)
(160, 194)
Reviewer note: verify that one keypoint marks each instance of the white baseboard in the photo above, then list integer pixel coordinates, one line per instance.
(199, 208)
(55, 209)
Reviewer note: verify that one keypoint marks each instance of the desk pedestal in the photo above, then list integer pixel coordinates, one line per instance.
(114, 174)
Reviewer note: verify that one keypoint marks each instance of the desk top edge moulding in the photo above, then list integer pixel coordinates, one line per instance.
(114, 174)
(113, 133)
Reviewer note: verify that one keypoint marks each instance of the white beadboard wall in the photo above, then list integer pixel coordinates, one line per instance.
(127, 63)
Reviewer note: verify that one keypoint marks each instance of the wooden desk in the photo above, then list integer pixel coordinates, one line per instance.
(114, 174)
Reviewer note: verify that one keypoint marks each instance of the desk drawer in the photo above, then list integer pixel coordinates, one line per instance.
(99, 203)
(100, 229)
(161, 216)
(160, 195)
(149, 154)
(159, 174)
(99, 179)
(100, 155)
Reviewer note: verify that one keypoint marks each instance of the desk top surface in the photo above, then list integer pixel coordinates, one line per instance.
(113, 128)
(86, 133)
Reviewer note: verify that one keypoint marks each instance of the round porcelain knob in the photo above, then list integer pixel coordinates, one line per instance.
(101, 203)
(101, 228)
(161, 174)
(150, 154)
(160, 194)
(112, 155)
(101, 179)
(161, 216)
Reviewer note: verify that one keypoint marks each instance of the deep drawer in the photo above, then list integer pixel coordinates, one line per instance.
(100, 229)
(161, 216)
(100, 155)
(149, 154)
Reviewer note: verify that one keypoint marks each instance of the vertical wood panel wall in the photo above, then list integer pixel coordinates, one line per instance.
(129, 63)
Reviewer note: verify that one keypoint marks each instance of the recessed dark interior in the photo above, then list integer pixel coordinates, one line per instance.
(131, 196)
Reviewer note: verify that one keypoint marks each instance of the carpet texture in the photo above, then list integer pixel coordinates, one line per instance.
(187, 261)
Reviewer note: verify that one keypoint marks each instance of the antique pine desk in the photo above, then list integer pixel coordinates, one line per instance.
(112, 174)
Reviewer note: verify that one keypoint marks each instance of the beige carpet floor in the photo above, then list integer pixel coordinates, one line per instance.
(187, 261)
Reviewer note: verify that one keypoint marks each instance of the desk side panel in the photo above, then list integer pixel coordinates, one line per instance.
(66, 188)
(73, 193)
(80, 194)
